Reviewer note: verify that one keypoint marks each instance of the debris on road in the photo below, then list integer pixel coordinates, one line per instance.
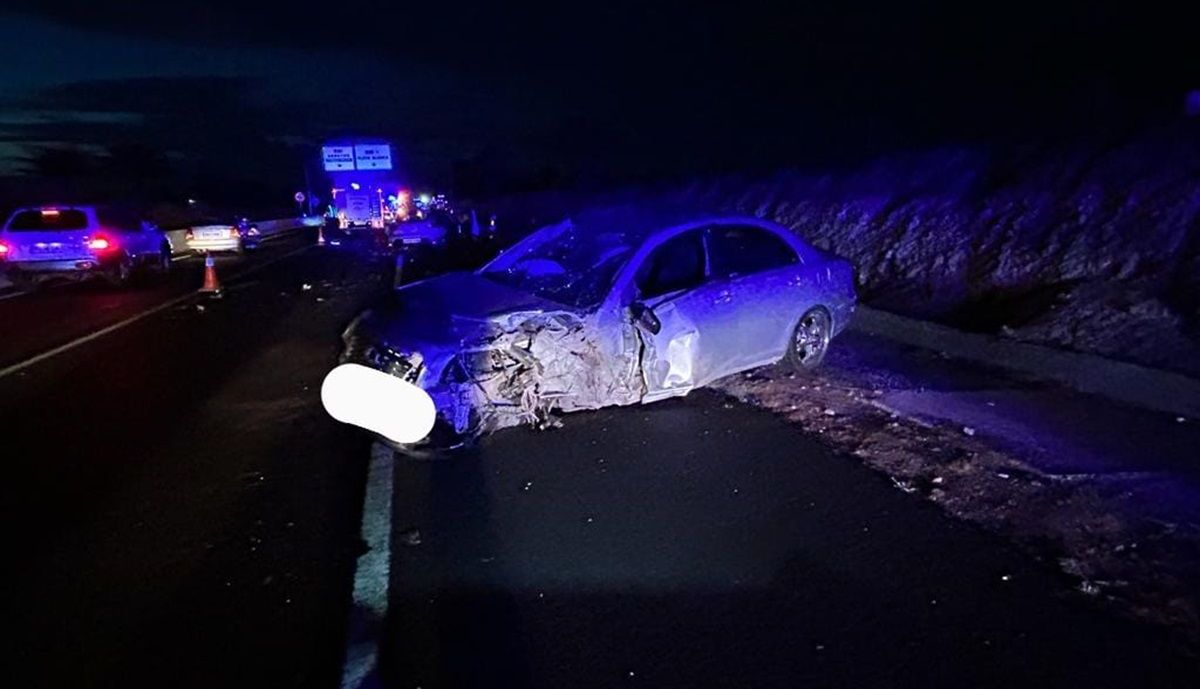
(410, 537)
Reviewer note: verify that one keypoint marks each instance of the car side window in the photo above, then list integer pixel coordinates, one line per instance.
(675, 265)
(745, 249)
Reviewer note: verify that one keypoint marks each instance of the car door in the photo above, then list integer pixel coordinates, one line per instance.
(756, 272)
(672, 282)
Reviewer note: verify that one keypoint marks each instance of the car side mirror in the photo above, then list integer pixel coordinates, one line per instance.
(645, 317)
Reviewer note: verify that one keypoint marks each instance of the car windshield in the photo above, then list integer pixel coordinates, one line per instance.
(568, 264)
(48, 220)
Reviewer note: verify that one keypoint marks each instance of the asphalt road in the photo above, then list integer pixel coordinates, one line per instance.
(699, 542)
(61, 312)
(180, 512)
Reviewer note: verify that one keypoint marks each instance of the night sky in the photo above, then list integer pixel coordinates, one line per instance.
(572, 93)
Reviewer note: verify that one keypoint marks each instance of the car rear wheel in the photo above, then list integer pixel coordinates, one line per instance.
(23, 281)
(810, 340)
(122, 273)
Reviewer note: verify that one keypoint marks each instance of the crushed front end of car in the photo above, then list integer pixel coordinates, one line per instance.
(489, 358)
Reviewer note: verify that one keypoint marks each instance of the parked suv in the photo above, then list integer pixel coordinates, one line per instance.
(76, 242)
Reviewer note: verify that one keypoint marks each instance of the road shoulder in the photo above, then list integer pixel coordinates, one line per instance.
(1120, 521)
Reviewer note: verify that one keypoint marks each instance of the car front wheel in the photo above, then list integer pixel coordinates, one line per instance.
(810, 340)
(163, 264)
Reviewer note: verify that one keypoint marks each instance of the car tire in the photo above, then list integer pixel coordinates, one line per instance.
(163, 263)
(123, 273)
(442, 443)
(23, 282)
(809, 341)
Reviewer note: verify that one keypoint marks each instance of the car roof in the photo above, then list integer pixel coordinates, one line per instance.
(57, 206)
(637, 222)
(117, 206)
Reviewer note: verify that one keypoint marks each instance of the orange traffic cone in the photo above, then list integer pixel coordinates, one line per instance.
(320, 235)
(211, 284)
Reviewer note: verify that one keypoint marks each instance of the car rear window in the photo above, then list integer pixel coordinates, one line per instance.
(48, 221)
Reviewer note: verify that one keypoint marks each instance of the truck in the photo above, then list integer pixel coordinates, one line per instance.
(362, 180)
(358, 208)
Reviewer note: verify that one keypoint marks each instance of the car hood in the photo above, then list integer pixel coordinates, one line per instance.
(447, 312)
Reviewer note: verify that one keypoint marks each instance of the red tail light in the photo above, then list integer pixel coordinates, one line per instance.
(3, 251)
(189, 235)
(101, 243)
(234, 232)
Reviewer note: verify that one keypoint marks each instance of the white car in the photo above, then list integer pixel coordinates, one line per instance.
(40, 243)
(424, 232)
(217, 237)
(613, 307)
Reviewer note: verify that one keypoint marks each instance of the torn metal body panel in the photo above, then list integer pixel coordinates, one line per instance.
(537, 364)
(550, 326)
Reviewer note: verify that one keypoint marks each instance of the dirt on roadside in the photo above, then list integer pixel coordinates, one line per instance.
(1103, 532)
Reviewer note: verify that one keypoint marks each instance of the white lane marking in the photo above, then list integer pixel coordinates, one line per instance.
(48, 354)
(20, 366)
(10, 295)
(372, 574)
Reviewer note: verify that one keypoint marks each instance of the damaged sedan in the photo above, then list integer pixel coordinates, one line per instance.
(612, 307)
